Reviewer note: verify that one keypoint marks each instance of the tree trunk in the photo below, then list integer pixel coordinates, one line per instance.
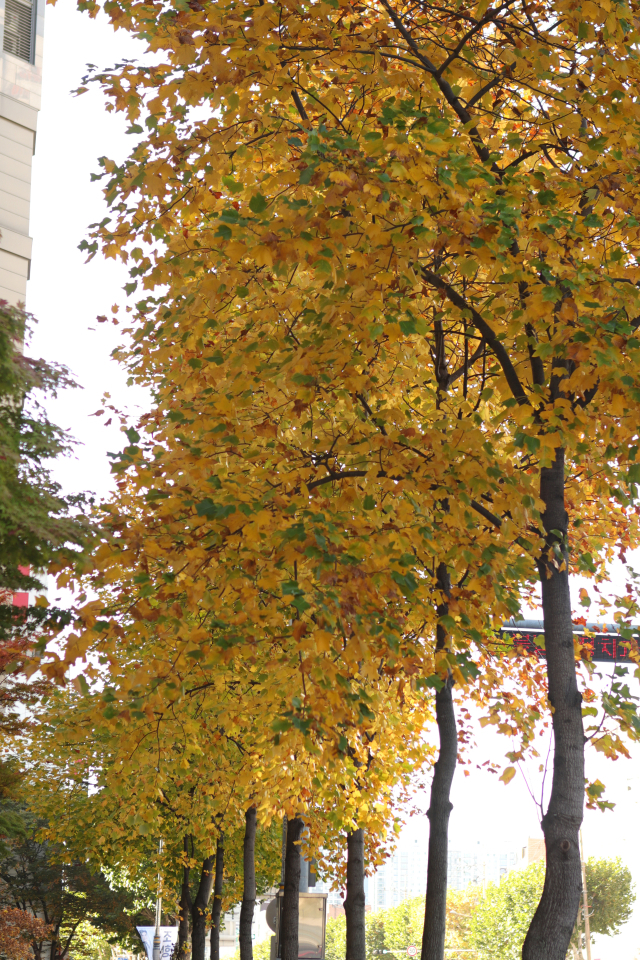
(550, 932)
(249, 890)
(53, 952)
(289, 919)
(199, 910)
(354, 902)
(185, 908)
(435, 911)
(216, 910)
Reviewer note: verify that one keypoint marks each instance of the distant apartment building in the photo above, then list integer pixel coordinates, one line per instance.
(480, 865)
(22, 28)
(404, 874)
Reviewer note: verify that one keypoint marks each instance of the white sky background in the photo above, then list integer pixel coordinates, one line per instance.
(66, 295)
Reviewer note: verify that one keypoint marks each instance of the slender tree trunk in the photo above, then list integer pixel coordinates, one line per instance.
(290, 912)
(199, 910)
(185, 908)
(55, 943)
(553, 922)
(249, 890)
(216, 909)
(435, 912)
(354, 902)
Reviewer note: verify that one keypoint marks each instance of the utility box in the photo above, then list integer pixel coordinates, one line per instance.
(312, 925)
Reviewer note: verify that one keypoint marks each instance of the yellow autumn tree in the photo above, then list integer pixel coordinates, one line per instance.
(399, 341)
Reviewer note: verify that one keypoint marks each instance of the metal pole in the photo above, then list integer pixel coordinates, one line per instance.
(156, 935)
(304, 874)
(304, 868)
(585, 903)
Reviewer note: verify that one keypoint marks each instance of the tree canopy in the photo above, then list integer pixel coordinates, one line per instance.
(501, 919)
(386, 258)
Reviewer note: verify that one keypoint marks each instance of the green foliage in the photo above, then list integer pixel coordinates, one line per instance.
(611, 895)
(42, 879)
(12, 824)
(261, 951)
(35, 520)
(499, 924)
(374, 934)
(403, 927)
(89, 943)
(336, 939)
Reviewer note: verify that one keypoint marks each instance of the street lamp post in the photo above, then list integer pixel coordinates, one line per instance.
(156, 935)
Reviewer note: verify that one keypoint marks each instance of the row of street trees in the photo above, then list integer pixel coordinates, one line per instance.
(386, 258)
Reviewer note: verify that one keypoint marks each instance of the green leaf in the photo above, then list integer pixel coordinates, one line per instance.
(290, 588)
(597, 144)
(258, 203)
(307, 173)
(280, 725)
(633, 474)
(407, 582)
(214, 511)
(416, 325)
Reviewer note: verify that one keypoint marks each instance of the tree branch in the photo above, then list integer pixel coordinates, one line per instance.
(298, 103)
(491, 517)
(483, 328)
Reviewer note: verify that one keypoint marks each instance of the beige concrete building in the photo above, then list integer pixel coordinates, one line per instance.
(22, 29)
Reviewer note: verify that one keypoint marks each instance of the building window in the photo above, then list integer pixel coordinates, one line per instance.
(18, 29)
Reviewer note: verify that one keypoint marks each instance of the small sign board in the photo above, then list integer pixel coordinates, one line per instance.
(168, 939)
(412, 951)
(601, 646)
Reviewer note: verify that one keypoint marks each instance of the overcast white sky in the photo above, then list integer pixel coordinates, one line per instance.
(67, 296)
(64, 293)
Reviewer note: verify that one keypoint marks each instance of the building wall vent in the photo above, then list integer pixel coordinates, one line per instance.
(18, 29)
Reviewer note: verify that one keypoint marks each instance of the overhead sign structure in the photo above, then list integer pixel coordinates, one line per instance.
(601, 642)
(168, 940)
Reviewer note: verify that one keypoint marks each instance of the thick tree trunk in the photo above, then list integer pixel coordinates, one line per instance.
(289, 918)
(249, 890)
(185, 909)
(435, 912)
(199, 910)
(216, 909)
(354, 902)
(553, 922)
